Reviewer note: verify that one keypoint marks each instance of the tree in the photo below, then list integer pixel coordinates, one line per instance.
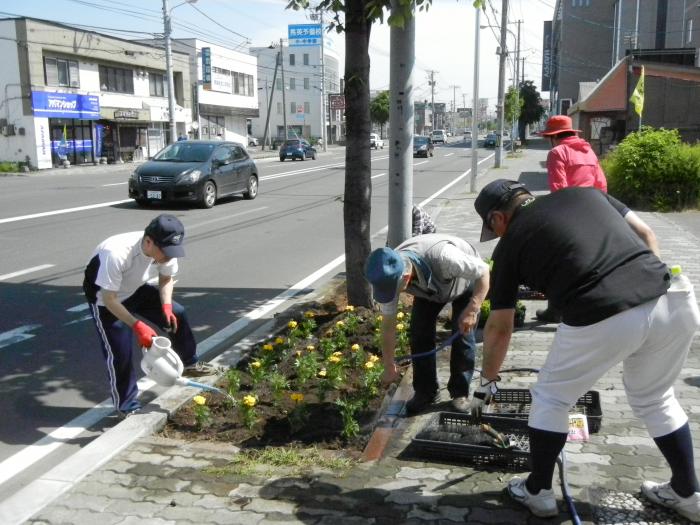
(532, 110)
(513, 105)
(379, 110)
(355, 19)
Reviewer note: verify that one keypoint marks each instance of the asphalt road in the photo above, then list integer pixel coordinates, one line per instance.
(240, 255)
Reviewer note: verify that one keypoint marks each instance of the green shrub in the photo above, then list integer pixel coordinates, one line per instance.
(653, 170)
(9, 167)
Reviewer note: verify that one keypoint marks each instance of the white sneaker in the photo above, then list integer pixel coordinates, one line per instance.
(664, 495)
(460, 404)
(542, 505)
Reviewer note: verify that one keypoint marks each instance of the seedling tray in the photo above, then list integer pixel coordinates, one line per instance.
(454, 437)
(515, 403)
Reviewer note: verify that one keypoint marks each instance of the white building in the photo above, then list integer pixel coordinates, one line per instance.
(225, 93)
(301, 101)
(77, 95)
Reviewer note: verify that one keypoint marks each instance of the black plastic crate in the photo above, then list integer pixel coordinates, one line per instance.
(515, 403)
(445, 438)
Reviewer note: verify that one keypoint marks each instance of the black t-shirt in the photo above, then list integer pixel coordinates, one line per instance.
(575, 246)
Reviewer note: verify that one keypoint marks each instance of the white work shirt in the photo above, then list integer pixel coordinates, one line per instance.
(124, 267)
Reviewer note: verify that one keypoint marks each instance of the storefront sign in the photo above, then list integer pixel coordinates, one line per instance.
(206, 67)
(65, 105)
(126, 114)
(215, 78)
(304, 35)
(336, 102)
(547, 56)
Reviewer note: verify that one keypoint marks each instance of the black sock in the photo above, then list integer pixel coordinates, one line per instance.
(677, 448)
(544, 449)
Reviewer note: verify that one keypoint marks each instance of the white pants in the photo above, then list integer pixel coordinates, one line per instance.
(652, 341)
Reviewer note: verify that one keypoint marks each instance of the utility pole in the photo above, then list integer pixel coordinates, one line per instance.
(516, 82)
(169, 72)
(269, 102)
(475, 103)
(284, 87)
(432, 100)
(454, 105)
(400, 179)
(323, 90)
(500, 113)
(464, 105)
(522, 71)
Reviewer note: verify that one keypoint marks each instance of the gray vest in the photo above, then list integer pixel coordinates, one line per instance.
(428, 247)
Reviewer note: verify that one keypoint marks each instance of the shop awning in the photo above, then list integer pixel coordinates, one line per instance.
(212, 109)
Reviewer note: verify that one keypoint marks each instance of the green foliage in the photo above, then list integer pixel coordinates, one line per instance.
(532, 109)
(307, 367)
(513, 104)
(233, 379)
(379, 108)
(348, 408)
(653, 170)
(9, 167)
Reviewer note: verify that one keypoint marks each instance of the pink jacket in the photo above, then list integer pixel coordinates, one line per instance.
(573, 163)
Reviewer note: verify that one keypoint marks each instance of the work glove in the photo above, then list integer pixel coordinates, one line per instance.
(482, 395)
(144, 334)
(170, 318)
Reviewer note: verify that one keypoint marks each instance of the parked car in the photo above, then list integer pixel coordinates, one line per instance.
(467, 136)
(252, 141)
(297, 149)
(375, 142)
(438, 135)
(491, 140)
(422, 146)
(199, 171)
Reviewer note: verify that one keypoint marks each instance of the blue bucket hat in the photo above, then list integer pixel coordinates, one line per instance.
(383, 269)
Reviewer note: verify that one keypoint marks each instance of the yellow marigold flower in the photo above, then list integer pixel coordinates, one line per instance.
(400, 327)
(297, 397)
(310, 348)
(292, 325)
(334, 359)
(322, 372)
(298, 353)
(199, 400)
(349, 308)
(380, 318)
(249, 401)
(329, 333)
(369, 365)
(374, 358)
(279, 341)
(400, 315)
(337, 353)
(256, 364)
(355, 347)
(340, 324)
(268, 347)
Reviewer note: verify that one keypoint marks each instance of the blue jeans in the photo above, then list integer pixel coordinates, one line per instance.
(423, 330)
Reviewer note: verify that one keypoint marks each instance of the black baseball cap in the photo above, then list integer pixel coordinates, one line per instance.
(493, 196)
(168, 234)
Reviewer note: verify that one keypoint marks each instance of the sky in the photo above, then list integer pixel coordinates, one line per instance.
(444, 35)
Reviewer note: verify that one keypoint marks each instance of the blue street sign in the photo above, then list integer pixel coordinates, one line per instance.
(300, 35)
(65, 105)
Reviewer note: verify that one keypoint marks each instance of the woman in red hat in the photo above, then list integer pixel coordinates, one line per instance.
(571, 162)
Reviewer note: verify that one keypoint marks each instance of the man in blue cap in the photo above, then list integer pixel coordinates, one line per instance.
(116, 287)
(436, 269)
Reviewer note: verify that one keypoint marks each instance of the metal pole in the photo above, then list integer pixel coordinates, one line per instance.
(402, 62)
(284, 87)
(636, 28)
(432, 100)
(501, 83)
(323, 90)
(269, 100)
(169, 71)
(475, 120)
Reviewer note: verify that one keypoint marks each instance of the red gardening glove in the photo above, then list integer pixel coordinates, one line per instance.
(170, 318)
(144, 333)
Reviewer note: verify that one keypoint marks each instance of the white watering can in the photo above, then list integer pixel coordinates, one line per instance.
(162, 364)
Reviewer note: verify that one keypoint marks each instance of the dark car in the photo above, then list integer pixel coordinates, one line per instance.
(422, 146)
(297, 149)
(195, 171)
(491, 140)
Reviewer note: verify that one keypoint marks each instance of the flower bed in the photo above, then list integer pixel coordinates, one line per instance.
(318, 381)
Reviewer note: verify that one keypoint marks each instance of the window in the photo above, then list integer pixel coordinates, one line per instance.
(306, 59)
(61, 72)
(278, 84)
(307, 107)
(307, 84)
(292, 107)
(238, 153)
(116, 80)
(251, 91)
(279, 108)
(689, 31)
(156, 83)
(292, 83)
(292, 59)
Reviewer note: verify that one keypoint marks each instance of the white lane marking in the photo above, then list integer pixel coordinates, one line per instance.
(419, 163)
(60, 212)
(449, 154)
(33, 453)
(191, 227)
(78, 308)
(25, 271)
(378, 175)
(115, 184)
(79, 320)
(16, 335)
